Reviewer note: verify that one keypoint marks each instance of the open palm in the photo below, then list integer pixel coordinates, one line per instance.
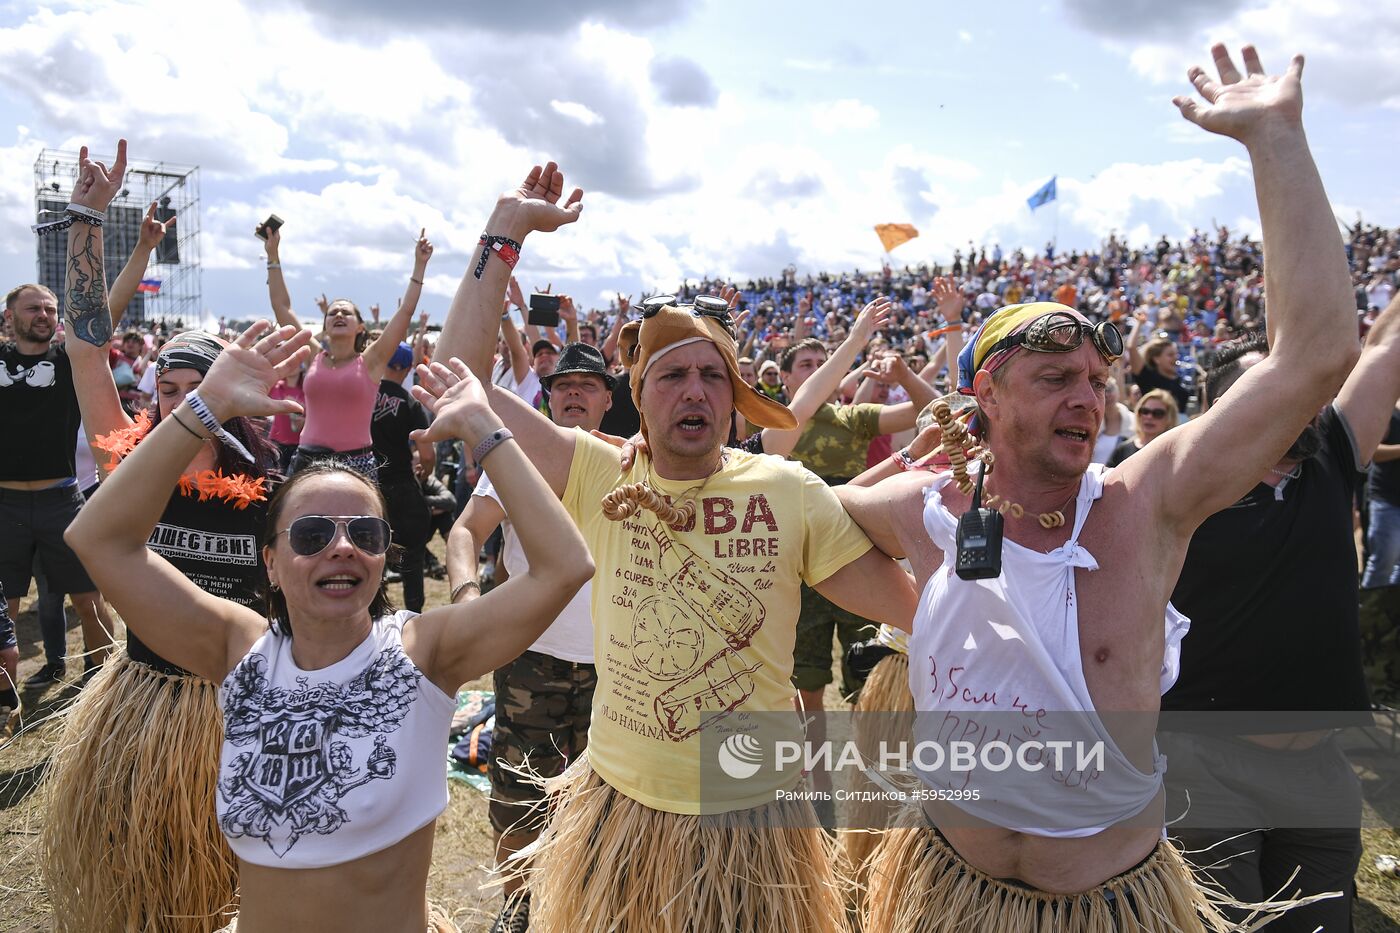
(537, 199)
(1239, 104)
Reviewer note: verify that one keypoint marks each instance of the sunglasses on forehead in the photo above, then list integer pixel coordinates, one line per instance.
(703, 306)
(312, 534)
(1058, 332)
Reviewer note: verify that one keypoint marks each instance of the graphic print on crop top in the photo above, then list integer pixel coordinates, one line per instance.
(291, 781)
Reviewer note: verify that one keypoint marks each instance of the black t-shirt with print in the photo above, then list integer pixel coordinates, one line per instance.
(38, 414)
(213, 544)
(396, 414)
(1270, 586)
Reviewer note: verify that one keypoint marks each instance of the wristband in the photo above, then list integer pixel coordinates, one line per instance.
(415, 281)
(944, 330)
(489, 443)
(274, 265)
(78, 210)
(52, 226)
(457, 590)
(174, 415)
(502, 246)
(211, 424)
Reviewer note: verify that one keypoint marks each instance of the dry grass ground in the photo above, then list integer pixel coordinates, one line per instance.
(463, 853)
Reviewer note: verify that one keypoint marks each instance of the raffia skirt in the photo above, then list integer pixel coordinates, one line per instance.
(130, 839)
(607, 863)
(887, 697)
(1158, 895)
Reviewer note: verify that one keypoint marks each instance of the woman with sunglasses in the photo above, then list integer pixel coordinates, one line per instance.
(336, 710)
(109, 847)
(342, 380)
(1156, 414)
(1117, 424)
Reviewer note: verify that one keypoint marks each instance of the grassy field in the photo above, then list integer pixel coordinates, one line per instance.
(462, 854)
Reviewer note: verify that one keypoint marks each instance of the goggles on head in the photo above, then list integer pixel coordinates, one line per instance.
(703, 306)
(1058, 332)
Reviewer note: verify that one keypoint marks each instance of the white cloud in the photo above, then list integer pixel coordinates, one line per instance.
(846, 114)
(1327, 32)
(964, 37)
(1061, 77)
(575, 111)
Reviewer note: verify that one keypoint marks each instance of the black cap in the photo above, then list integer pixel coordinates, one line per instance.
(541, 345)
(580, 358)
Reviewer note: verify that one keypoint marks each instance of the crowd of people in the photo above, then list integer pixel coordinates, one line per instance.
(660, 517)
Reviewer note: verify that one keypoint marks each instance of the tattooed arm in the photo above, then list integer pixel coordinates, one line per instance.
(89, 317)
(90, 320)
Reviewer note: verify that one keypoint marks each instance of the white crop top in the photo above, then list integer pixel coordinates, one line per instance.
(998, 662)
(323, 767)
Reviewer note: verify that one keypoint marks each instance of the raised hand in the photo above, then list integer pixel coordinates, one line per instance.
(627, 448)
(272, 243)
(732, 295)
(871, 318)
(1240, 106)
(422, 252)
(949, 299)
(458, 403)
(889, 370)
(536, 204)
(238, 383)
(517, 296)
(374, 313)
(567, 311)
(97, 185)
(323, 303)
(624, 304)
(152, 230)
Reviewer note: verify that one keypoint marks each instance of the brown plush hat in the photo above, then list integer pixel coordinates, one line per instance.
(645, 340)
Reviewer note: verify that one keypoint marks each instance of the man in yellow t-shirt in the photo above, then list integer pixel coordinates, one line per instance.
(695, 606)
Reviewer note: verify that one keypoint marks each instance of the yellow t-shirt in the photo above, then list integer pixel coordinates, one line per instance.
(693, 630)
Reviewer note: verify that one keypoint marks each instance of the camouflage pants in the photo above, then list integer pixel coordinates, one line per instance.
(543, 707)
(818, 621)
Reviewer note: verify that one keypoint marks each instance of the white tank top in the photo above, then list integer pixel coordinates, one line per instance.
(323, 767)
(998, 662)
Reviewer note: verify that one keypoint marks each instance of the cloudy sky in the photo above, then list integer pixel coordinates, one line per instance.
(711, 136)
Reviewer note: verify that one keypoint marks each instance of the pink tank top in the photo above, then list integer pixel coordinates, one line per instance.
(339, 404)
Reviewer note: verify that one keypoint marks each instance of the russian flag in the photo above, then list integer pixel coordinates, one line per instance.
(149, 286)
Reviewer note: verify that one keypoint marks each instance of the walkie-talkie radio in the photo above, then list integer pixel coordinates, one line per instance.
(979, 538)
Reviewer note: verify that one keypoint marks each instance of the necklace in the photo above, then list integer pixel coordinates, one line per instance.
(624, 501)
(1294, 473)
(960, 447)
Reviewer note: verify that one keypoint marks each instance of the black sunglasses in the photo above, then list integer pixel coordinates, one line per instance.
(1153, 412)
(703, 306)
(312, 534)
(1058, 332)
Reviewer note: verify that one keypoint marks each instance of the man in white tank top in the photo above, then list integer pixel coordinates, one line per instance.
(1040, 396)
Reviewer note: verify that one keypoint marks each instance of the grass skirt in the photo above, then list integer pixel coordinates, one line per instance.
(607, 863)
(1161, 895)
(130, 840)
(886, 691)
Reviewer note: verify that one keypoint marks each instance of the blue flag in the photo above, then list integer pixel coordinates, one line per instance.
(1045, 195)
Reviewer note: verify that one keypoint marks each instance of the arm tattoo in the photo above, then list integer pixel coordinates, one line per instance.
(87, 312)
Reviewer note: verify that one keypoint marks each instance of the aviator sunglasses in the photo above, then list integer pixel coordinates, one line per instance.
(703, 306)
(312, 534)
(1059, 332)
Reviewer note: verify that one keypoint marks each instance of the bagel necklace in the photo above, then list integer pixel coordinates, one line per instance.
(960, 447)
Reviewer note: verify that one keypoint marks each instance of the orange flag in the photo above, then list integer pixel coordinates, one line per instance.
(892, 235)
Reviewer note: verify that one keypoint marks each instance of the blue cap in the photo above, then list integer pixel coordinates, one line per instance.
(402, 358)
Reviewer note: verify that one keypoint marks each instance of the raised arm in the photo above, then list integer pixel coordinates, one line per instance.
(124, 288)
(478, 520)
(277, 294)
(474, 316)
(200, 632)
(382, 348)
(901, 417)
(519, 356)
(822, 383)
(569, 312)
(1204, 466)
(469, 638)
(90, 322)
(1368, 396)
(624, 303)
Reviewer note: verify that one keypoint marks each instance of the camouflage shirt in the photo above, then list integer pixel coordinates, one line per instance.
(835, 441)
